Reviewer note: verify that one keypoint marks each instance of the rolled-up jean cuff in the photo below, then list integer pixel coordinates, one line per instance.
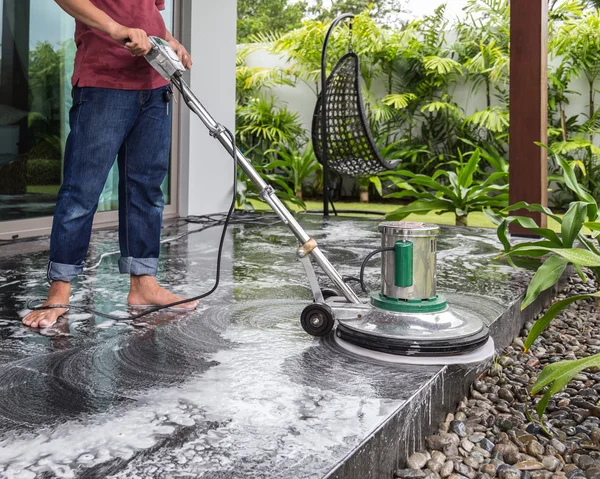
(63, 272)
(139, 266)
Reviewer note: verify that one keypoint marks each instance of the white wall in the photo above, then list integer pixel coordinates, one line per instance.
(302, 99)
(206, 173)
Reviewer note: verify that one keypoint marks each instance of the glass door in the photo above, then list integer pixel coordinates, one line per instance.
(37, 52)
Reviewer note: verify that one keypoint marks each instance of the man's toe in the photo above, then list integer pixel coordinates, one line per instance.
(44, 323)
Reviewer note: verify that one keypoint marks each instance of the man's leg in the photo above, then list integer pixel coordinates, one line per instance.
(100, 120)
(143, 165)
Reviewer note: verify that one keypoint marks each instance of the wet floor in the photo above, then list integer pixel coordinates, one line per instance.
(234, 389)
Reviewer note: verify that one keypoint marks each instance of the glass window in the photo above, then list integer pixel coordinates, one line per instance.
(36, 63)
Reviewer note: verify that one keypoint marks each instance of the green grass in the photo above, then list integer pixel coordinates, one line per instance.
(476, 219)
(44, 190)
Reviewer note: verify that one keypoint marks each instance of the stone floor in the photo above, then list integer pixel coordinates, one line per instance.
(235, 389)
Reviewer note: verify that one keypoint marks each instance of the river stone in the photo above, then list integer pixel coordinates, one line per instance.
(438, 441)
(447, 469)
(435, 466)
(481, 386)
(487, 445)
(585, 462)
(508, 472)
(467, 445)
(489, 469)
(451, 450)
(471, 462)
(463, 469)
(458, 428)
(559, 446)
(478, 456)
(409, 474)
(417, 461)
(504, 424)
(477, 437)
(505, 394)
(529, 466)
(535, 449)
(521, 439)
(593, 472)
(510, 452)
(550, 463)
(541, 475)
(506, 361)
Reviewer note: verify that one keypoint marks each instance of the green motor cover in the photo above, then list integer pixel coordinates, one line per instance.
(403, 252)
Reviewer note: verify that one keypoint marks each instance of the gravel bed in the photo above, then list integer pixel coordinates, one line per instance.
(489, 436)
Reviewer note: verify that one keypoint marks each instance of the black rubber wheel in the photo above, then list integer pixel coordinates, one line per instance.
(317, 319)
(329, 293)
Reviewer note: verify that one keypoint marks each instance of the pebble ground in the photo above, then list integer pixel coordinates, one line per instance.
(489, 436)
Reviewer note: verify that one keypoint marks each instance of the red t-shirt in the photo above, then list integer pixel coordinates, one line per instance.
(101, 62)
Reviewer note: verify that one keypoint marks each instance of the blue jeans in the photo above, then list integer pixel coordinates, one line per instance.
(135, 127)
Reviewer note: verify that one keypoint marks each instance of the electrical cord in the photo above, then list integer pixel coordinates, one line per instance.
(149, 311)
(361, 278)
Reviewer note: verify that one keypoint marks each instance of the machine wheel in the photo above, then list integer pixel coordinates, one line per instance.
(317, 319)
(329, 293)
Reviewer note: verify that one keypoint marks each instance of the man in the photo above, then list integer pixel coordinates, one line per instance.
(120, 109)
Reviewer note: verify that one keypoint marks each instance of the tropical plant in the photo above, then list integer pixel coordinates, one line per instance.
(576, 41)
(385, 12)
(556, 376)
(247, 194)
(557, 252)
(46, 70)
(262, 124)
(293, 166)
(459, 193)
(257, 16)
(483, 44)
(252, 81)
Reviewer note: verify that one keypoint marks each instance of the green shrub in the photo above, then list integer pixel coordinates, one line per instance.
(572, 247)
(43, 172)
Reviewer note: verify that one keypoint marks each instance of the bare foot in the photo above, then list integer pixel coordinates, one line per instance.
(59, 293)
(145, 291)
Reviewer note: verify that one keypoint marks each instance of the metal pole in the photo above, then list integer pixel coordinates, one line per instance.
(324, 160)
(267, 193)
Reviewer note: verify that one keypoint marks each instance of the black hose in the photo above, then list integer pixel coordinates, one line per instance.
(358, 212)
(361, 278)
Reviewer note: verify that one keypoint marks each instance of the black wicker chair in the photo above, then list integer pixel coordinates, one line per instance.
(351, 149)
(341, 135)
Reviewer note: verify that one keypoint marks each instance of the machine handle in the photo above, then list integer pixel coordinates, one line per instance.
(403, 256)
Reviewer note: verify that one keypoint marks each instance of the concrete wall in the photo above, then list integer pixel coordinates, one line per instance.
(206, 172)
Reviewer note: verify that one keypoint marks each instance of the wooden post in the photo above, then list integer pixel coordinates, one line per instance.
(528, 105)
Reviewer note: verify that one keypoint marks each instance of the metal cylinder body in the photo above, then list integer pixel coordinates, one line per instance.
(422, 239)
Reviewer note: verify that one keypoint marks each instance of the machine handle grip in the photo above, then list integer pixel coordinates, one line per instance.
(403, 256)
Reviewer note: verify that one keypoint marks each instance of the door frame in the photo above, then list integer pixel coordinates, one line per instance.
(42, 226)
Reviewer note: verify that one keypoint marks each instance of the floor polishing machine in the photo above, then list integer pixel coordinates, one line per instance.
(407, 317)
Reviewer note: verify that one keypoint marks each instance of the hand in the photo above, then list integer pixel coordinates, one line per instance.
(135, 40)
(182, 53)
